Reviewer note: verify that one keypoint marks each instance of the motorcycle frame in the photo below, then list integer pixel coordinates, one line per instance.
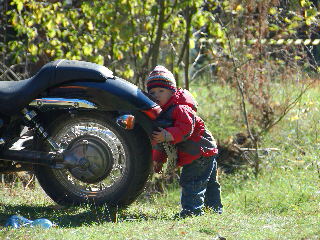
(115, 95)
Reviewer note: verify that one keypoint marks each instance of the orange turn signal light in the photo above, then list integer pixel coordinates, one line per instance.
(126, 121)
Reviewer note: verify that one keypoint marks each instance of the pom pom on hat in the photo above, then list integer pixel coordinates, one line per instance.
(161, 77)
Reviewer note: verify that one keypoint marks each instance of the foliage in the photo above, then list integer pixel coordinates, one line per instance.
(132, 36)
(123, 35)
(251, 62)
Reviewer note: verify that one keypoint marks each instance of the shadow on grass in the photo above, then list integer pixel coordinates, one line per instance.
(72, 216)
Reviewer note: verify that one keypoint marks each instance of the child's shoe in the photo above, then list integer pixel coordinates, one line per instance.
(187, 213)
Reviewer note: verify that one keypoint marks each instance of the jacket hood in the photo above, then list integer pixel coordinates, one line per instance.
(182, 97)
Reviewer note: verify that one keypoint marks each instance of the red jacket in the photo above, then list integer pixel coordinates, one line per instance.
(190, 135)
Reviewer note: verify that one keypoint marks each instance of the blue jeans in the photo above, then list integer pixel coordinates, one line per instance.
(200, 186)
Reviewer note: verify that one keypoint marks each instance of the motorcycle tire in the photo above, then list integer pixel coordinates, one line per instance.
(116, 166)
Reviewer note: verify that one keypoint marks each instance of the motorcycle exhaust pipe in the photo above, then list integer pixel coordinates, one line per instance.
(32, 157)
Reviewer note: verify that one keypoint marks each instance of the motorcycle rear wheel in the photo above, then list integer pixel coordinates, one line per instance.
(116, 166)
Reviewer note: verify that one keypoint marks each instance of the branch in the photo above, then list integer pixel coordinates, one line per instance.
(172, 10)
(201, 69)
(175, 52)
(9, 70)
(287, 109)
(240, 87)
(156, 45)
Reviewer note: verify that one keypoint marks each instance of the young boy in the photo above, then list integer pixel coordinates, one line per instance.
(196, 148)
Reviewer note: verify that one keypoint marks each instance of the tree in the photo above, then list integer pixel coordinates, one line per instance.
(260, 51)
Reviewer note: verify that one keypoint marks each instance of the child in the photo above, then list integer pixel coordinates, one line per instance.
(196, 148)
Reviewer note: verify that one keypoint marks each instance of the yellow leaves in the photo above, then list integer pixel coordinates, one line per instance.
(249, 56)
(309, 21)
(280, 61)
(217, 30)
(239, 8)
(38, 15)
(310, 103)
(139, 54)
(50, 52)
(32, 33)
(287, 20)
(274, 27)
(15, 20)
(192, 43)
(69, 55)
(73, 14)
(201, 20)
(87, 49)
(294, 118)
(119, 55)
(29, 22)
(273, 11)
(128, 73)
(19, 6)
(175, 23)
(310, 16)
(65, 22)
(58, 18)
(51, 33)
(147, 26)
(304, 3)
(100, 43)
(33, 49)
(54, 42)
(90, 25)
(50, 25)
(308, 107)
(99, 59)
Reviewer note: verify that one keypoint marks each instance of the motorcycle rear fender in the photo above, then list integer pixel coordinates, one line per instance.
(115, 94)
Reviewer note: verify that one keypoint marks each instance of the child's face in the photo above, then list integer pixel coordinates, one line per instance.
(161, 95)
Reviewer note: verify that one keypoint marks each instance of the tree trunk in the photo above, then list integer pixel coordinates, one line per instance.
(187, 49)
(156, 45)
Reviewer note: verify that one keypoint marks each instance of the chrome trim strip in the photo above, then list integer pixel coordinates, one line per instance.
(63, 102)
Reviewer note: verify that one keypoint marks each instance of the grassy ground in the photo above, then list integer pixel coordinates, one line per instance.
(283, 202)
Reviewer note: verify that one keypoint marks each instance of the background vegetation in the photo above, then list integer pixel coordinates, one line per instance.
(281, 203)
(253, 68)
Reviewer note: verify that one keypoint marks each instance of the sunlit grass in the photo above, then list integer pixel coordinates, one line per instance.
(283, 202)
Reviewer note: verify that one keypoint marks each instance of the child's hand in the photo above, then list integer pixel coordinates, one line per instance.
(162, 136)
(157, 166)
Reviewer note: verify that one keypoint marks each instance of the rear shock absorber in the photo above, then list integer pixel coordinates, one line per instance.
(29, 116)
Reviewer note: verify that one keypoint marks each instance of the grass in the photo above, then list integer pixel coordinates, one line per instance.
(283, 202)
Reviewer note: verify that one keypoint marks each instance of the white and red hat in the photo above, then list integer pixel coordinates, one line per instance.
(161, 77)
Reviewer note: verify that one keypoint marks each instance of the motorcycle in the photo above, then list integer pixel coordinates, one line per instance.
(83, 132)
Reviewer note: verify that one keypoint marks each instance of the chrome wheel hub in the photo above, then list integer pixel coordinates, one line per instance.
(100, 157)
(93, 157)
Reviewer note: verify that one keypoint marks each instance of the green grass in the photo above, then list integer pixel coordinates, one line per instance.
(283, 202)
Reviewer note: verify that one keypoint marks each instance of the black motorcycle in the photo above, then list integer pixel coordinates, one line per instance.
(83, 131)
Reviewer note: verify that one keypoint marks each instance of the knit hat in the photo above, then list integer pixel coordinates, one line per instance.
(161, 77)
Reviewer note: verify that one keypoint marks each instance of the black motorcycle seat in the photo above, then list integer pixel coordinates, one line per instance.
(15, 95)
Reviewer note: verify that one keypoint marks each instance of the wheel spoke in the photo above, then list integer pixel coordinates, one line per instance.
(109, 139)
